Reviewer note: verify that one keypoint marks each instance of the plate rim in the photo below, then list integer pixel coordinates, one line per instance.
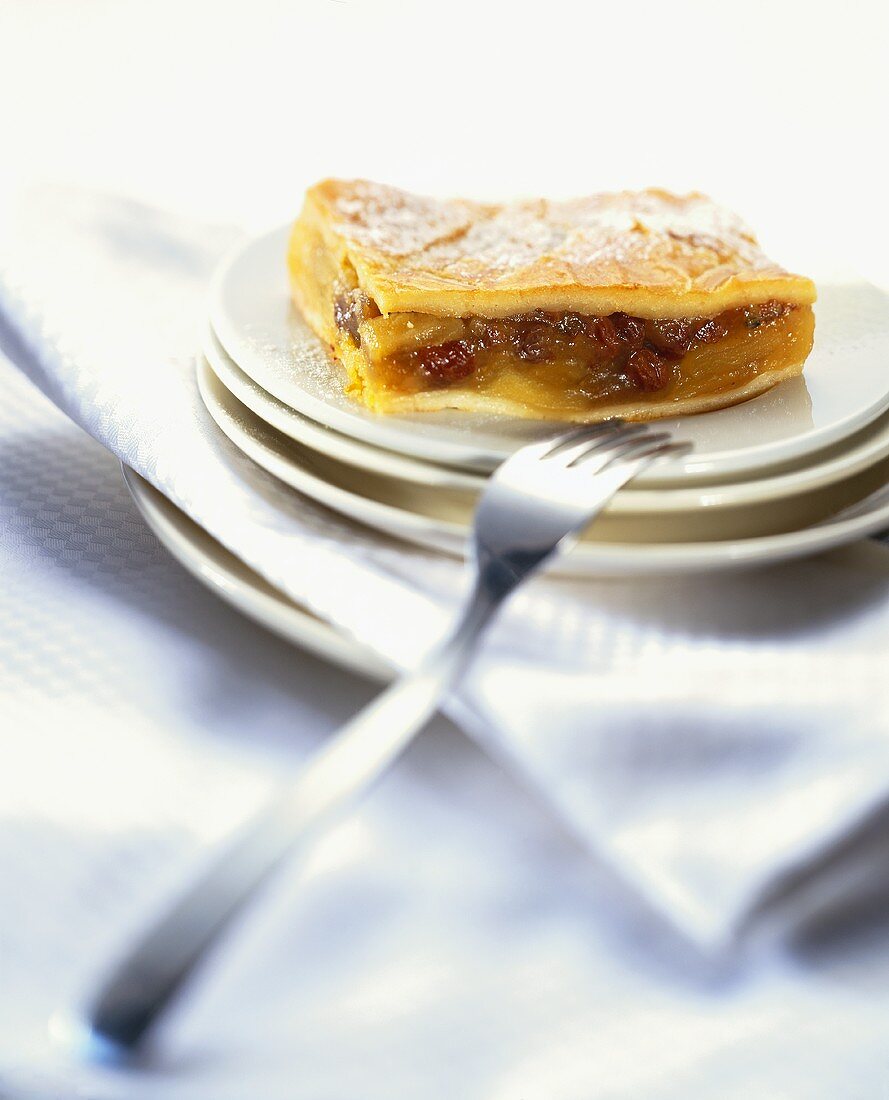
(614, 559)
(223, 573)
(867, 451)
(317, 436)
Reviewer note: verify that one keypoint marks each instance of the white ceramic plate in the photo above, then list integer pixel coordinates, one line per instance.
(830, 465)
(846, 383)
(439, 520)
(325, 440)
(230, 578)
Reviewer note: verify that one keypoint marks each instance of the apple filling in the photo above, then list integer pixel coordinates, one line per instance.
(553, 361)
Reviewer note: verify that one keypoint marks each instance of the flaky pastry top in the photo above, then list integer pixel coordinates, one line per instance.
(649, 253)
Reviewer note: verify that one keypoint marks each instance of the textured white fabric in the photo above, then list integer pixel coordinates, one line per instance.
(450, 940)
(702, 736)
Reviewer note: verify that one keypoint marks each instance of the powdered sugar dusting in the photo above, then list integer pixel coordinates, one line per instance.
(395, 223)
(644, 238)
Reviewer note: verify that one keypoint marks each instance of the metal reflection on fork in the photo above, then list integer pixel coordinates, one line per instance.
(533, 508)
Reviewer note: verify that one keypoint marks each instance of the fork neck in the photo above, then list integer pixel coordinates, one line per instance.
(492, 583)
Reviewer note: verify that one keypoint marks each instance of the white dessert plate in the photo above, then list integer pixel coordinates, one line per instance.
(235, 582)
(842, 460)
(227, 576)
(845, 387)
(615, 546)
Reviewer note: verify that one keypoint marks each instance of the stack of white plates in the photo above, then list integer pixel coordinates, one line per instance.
(793, 472)
(798, 470)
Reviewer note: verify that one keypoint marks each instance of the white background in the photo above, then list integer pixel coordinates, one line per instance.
(228, 110)
(508, 973)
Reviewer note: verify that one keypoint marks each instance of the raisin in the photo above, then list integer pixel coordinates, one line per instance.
(350, 308)
(344, 316)
(630, 330)
(489, 334)
(570, 324)
(603, 331)
(710, 331)
(675, 336)
(763, 314)
(531, 342)
(648, 369)
(443, 364)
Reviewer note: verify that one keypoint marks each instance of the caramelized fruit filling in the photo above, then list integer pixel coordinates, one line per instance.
(598, 356)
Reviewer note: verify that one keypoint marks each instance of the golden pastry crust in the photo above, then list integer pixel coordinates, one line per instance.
(646, 253)
(363, 255)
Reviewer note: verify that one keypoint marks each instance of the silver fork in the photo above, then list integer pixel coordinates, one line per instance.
(533, 508)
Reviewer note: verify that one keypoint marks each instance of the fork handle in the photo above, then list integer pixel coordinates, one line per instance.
(139, 988)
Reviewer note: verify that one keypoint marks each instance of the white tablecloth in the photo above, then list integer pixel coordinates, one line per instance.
(452, 939)
(449, 940)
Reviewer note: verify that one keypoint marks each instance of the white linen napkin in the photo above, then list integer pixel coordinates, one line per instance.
(446, 940)
(714, 739)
